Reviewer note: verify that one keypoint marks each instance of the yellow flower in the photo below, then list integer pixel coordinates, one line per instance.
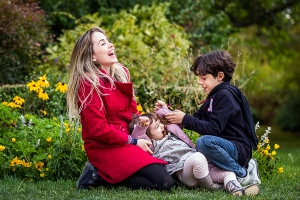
(43, 95)
(39, 165)
(280, 169)
(15, 162)
(33, 86)
(49, 139)
(2, 148)
(273, 153)
(18, 100)
(139, 107)
(42, 175)
(54, 118)
(5, 103)
(267, 140)
(61, 87)
(49, 156)
(258, 146)
(268, 147)
(79, 129)
(266, 152)
(276, 146)
(47, 169)
(67, 129)
(43, 81)
(13, 139)
(44, 112)
(25, 164)
(13, 105)
(82, 147)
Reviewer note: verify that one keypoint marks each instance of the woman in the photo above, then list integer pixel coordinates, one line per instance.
(100, 91)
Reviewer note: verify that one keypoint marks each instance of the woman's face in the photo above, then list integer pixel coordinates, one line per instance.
(103, 50)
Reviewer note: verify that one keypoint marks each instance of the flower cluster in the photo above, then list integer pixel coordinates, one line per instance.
(38, 87)
(38, 148)
(16, 103)
(265, 155)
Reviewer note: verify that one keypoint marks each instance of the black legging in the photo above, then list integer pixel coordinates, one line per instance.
(153, 176)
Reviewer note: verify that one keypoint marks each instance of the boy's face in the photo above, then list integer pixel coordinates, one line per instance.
(156, 130)
(208, 82)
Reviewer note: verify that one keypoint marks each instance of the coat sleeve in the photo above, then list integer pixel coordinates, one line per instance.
(139, 132)
(218, 118)
(93, 117)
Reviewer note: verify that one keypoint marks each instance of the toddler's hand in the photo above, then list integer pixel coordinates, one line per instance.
(144, 121)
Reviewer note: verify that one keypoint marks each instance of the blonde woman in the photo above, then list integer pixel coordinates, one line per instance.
(101, 95)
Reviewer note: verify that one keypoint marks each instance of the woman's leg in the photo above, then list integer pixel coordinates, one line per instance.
(221, 153)
(153, 176)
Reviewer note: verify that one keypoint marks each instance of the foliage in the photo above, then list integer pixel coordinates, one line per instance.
(42, 97)
(151, 52)
(22, 36)
(36, 148)
(265, 156)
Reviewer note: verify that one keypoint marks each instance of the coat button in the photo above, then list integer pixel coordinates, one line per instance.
(122, 128)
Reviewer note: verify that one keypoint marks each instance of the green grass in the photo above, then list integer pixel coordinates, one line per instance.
(285, 185)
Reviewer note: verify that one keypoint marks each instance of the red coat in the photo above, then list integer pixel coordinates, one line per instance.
(105, 132)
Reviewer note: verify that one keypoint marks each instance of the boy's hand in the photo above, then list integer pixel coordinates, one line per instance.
(159, 104)
(175, 117)
(145, 145)
(144, 121)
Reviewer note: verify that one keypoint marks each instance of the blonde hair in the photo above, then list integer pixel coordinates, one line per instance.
(83, 68)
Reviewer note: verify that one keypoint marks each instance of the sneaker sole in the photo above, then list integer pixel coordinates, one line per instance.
(237, 193)
(251, 190)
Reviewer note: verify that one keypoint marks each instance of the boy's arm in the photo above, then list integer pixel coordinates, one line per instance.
(218, 118)
(174, 128)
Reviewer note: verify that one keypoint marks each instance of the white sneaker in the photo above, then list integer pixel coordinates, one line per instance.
(253, 171)
(244, 180)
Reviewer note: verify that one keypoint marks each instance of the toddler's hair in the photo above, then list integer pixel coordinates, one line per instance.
(152, 116)
(214, 62)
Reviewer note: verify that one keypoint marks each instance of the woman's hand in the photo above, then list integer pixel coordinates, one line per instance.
(145, 145)
(175, 117)
(159, 104)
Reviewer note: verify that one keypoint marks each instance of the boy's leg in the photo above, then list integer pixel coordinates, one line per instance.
(221, 153)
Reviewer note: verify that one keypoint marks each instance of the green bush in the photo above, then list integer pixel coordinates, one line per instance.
(36, 148)
(145, 42)
(23, 34)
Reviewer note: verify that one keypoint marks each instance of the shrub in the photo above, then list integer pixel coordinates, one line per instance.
(36, 148)
(145, 42)
(20, 39)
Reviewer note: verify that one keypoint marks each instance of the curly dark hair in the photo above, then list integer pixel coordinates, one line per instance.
(214, 62)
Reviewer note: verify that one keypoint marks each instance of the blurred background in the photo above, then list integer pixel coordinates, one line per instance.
(158, 41)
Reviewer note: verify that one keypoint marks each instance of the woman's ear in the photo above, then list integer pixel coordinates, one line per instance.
(94, 59)
(221, 76)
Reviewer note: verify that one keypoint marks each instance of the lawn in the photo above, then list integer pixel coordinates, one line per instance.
(284, 185)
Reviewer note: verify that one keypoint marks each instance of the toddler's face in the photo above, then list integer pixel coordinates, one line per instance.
(156, 130)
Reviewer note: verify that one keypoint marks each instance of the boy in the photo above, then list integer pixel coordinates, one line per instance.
(224, 120)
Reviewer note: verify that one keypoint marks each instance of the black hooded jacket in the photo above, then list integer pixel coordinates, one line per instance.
(221, 115)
